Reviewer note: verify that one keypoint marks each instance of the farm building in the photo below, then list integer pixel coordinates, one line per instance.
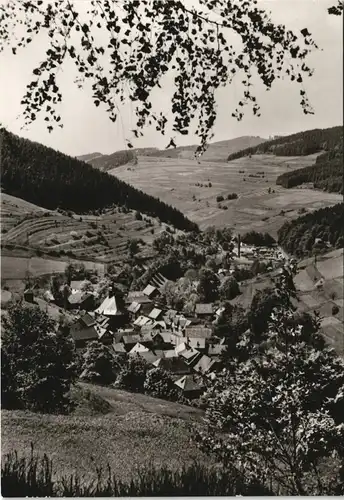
(84, 331)
(205, 365)
(81, 300)
(151, 291)
(200, 331)
(204, 311)
(189, 386)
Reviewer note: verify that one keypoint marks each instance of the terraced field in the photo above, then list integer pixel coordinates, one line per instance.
(39, 242)
(184, 183)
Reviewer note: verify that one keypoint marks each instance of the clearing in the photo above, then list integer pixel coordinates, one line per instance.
(184, 183)
(109, 426)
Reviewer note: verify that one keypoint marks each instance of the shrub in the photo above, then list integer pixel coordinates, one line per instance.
(232, 196)
(229, 288)
(219, 198)
(98, 364)
(159, 384)
(335, 310)
(132, 375)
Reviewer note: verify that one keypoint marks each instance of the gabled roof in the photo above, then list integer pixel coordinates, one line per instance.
(109, 307)
(138, 297)
(174, 365)
(193, 342)
(79, 297)
(148, 356)
(149, 290)
(118, 347)
(134, 307)
(142, 321)
(219, 311)
(47, 295)
(101, 331)
(204, 309)
(155, 313)
(198, 332)
(138, 348)
(131, 339)
(87, 333)
(87, 320)
(170, 353)
(204, 365)
(188, 383)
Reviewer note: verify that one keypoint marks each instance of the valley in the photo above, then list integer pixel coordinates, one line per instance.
(184, 183)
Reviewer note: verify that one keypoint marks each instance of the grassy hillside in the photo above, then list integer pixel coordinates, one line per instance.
(108, 426)
(40, 241)
(51, 179)
(300, 144)
(193, 188)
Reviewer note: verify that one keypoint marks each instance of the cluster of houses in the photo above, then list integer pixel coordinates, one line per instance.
(165, 338)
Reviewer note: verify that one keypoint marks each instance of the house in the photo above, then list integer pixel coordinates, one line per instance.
(198, 332)
(76, 286)
(48, 296)
(119, 348)
(81, 300)
(190, 356)
(129, 341)
(138, 348)
(204, 311)
(149, 356)
(216, 350)
(205, 365)
(155, 313)
(104, 335)
(142, 321)
(175, 365)
(83, 331)
(150, 291)
(110, 309)
(189, 386)
(28, 295)
(134, 309)
(195, 343)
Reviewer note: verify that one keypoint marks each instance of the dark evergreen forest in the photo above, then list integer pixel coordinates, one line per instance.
(326, 174)
(54, 180)
(298, 237)
(300, 144)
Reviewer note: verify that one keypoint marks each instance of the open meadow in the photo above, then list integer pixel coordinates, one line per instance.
(123, 429)
(184, 183)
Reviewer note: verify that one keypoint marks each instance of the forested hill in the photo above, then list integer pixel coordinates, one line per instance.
(326, 174)
(53, 180)
(300, 144)
(319, 230)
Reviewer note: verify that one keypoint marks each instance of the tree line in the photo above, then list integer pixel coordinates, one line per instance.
(299, 236)
(300, 144)
(54, 180)
(326, 174)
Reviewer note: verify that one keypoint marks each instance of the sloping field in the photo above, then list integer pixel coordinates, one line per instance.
(102, 238)
(136, 431)
(184, 183)
(324, 297)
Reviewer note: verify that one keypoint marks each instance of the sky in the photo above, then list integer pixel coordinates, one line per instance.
(88, 129)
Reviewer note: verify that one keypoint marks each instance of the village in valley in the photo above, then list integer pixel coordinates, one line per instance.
(139, 322)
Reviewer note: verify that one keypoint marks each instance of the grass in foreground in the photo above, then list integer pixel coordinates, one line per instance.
(127, 431)
(33, 477)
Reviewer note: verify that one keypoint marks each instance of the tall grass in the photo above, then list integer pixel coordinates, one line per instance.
(33, 477)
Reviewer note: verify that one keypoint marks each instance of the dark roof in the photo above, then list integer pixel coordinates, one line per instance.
(204, 309)
(174, 365)
(87, 333)
(131, 339)
(87, 320)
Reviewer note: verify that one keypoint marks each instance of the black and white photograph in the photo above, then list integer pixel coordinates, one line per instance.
(172, 234)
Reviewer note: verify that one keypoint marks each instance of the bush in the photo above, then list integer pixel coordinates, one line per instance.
(232, 196)
(335, 310)
(219, 198)
(132, 376)
(159, 384)
(98, 364)
(229, 288)
(34, 477)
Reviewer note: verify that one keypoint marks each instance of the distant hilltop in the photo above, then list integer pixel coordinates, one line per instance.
(217, 151)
